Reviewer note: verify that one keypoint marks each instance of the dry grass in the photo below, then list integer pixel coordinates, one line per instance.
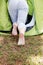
(29, 54)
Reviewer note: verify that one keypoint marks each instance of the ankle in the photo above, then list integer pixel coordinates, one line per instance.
(21, 35)
(15, 27)
(14, 24)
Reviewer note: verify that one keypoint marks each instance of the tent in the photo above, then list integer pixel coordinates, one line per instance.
(6, 24)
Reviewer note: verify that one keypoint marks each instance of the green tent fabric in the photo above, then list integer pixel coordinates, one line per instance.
(38, 11)
(31, 8)
(36, 5)
(5, 24)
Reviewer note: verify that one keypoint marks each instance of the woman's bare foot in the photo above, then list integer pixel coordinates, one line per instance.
(21, 40)
(14, 30)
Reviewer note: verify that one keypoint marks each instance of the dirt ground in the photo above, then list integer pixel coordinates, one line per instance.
(12, 54)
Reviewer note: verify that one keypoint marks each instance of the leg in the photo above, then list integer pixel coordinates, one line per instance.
(13, 14)
(22, 16)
